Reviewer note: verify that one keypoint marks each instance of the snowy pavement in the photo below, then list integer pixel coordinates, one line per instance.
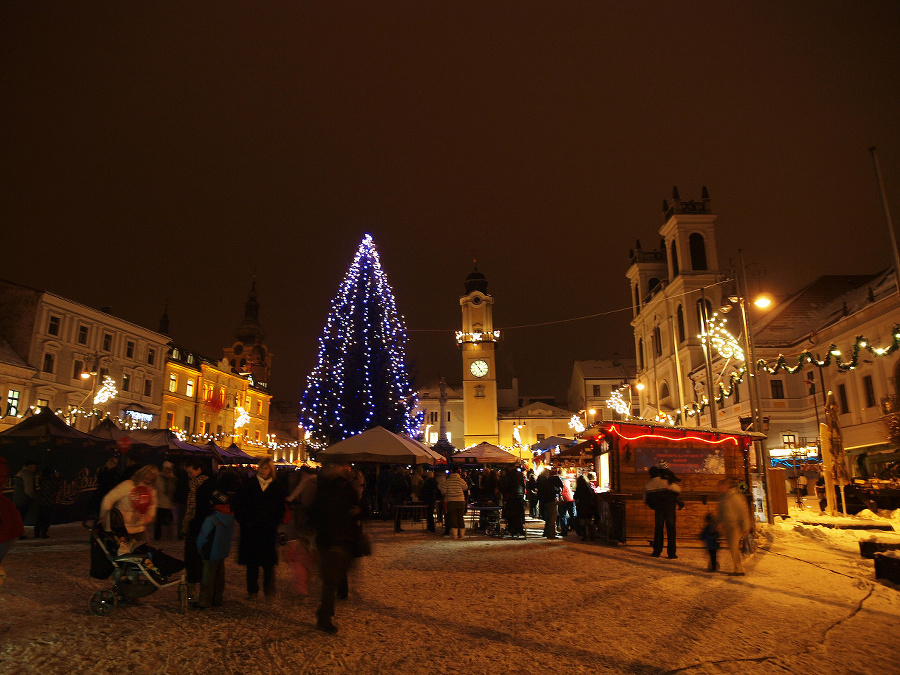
(423, 604)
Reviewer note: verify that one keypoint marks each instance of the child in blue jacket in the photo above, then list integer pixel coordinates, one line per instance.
(710, 536)
(214, 542)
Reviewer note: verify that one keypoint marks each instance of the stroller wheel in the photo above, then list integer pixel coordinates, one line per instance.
(102, 602)
(182, 598)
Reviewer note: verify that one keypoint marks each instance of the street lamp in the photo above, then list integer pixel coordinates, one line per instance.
(738, 297)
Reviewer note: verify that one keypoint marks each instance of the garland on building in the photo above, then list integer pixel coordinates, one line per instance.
(361, 379)
(805, 358)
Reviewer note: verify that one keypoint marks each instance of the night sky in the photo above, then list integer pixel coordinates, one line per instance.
(172, 150)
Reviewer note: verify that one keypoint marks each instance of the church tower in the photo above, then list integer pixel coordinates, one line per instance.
(672, 289)
(476, 341)
(249, 353)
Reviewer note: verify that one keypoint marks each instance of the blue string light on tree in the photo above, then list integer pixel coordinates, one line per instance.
(361, 379)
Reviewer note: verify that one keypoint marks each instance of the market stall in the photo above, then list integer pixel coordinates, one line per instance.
(622, 453)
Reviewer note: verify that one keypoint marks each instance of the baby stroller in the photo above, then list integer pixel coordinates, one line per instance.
(136, 573)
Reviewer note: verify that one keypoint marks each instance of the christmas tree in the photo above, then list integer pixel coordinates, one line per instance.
(361, 379)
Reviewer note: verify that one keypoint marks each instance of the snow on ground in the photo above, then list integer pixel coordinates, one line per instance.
(423, 604)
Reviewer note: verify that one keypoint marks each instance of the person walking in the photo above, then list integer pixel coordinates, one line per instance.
(107, 479)
(300, 551)
(734, 517)
(531, 492)
(197, 506)
(566, 508)
(135, 499)
(430, 495)
(214, 544)
(710, 537)
(586, 508)
(455, 491)
(25, 491)
(338, 533)
(166, 484)
(662, 497)
(260, 510)
(549, 489)
(400, 492)
(47, 489)
(11, 527)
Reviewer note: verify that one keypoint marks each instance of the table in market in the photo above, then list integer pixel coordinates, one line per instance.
(414, 511)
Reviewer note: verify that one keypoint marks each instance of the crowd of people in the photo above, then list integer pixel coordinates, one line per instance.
(319, 514)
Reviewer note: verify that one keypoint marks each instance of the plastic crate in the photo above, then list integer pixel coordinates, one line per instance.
(887, 567)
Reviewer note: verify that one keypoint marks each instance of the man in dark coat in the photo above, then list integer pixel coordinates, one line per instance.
(337, 514)
(198, 506)
(401, 490)
(662, 497)
(549, 489)
(259, 510)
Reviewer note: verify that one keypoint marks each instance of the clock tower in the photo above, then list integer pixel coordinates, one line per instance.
(476, 343)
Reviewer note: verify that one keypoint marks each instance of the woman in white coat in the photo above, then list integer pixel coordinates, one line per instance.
(137, 511)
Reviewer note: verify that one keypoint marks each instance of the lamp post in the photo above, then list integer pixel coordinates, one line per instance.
(762, 452)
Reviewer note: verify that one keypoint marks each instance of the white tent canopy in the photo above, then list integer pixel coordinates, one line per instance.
(376, 445)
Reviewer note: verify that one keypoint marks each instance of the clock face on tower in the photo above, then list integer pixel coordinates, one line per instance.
(479, 368)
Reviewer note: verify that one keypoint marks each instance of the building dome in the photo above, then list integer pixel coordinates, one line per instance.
(476, 281)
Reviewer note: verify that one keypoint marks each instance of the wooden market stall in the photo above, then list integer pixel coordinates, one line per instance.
(622, 453)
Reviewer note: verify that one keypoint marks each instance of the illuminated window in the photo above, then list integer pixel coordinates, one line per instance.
(82, 335)
(43, 403)
(126, 382)
(789, 440)
(48, 363)
(257, 436)
(173, 382)
(189, 388)
(53, 325)
(12, 402)
(259, 407)
(222, 396)
(170, 420)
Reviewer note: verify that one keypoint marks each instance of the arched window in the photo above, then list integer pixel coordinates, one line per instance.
(680, 318)
(657, 341)
(698, 251)
(637, 299)
(640, 353)
(675, 270)
(653, 287)
(663, 391)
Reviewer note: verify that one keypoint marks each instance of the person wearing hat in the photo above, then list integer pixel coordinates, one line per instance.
(25, 490)
(214, 544)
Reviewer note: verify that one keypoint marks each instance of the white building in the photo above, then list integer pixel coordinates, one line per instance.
(593, 383)
(59, 340)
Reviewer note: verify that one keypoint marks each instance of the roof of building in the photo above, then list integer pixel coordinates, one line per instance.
(607, 368)
(538, 409)
(9, 357)
(819, 305)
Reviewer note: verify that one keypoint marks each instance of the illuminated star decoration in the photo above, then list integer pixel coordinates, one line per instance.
(107, 391)
(617, 403)
(723, 341)
(576, 424)
(361, 379)
(243, 417)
